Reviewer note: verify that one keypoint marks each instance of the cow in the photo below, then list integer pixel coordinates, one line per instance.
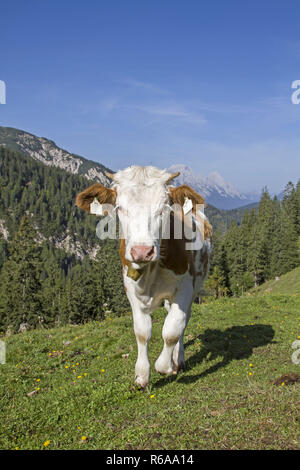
(156, 269)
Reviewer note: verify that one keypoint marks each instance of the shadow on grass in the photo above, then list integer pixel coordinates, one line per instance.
(234, 343)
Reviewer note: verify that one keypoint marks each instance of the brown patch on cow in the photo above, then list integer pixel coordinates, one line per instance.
(122, 250)
(101, 193)
(171, 340)
(205, 260)
(179, 194)
(141, 339)
(207, 230)
(173, 254)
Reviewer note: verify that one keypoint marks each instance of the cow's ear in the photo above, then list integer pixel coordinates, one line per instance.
(181, 193)
(101, 193)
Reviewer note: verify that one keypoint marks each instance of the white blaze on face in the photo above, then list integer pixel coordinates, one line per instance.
(141, 202)
(140, 212)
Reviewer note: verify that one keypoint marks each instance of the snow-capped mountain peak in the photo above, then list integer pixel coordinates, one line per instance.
(216, 190)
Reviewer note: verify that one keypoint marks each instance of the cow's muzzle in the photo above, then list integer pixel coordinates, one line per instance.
(142, 253)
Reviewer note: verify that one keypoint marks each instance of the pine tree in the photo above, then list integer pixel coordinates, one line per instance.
(291, 205)
(20, 284)
(289, 255)
(109, 275)
(53, 285)
(217, 283)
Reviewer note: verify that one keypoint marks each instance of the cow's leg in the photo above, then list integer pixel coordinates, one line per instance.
(173, 330)
(178, 352)
(142, 328)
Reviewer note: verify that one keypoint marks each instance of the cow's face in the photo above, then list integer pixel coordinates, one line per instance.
(142, 198)
(143, 204)
(142, 211)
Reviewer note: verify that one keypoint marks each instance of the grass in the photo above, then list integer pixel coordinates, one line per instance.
(83, 395)
(288, 283)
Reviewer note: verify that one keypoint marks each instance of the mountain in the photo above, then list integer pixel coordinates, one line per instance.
(47, 152)
(213, 188)
(46, 195)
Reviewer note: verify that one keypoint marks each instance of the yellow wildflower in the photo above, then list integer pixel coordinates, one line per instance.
(46, 443)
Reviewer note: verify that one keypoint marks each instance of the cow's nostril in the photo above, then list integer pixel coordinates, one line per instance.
(142, 253)
(151, 252)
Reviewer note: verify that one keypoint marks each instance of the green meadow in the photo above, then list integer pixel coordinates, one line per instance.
(72, 387)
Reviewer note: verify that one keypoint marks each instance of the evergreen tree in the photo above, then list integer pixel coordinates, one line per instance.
(109, 273)
(20, 296)
(291, 205)
(53, 289)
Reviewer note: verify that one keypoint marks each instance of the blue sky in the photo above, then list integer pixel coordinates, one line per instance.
(203, 83)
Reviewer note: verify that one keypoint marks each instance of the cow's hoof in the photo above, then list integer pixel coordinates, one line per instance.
(178, 367)
(140, 382)
(163, 369)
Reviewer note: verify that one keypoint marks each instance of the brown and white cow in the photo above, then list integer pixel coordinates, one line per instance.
(156, 268)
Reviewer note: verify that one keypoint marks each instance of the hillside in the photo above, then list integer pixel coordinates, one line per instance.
(288, 283)
(47, 194)
(222, 218)
(48, 153)
(72, 387)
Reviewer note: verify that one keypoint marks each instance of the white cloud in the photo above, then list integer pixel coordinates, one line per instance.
(146, 86)
(173, 111)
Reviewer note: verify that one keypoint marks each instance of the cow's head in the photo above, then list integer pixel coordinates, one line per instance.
(142, 197)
